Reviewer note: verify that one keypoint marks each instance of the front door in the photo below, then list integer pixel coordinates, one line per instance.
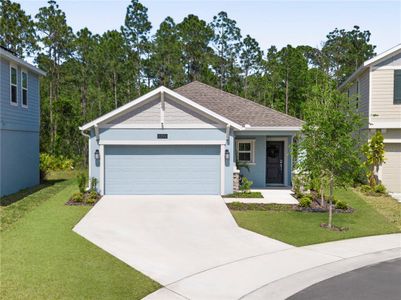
(275, 162)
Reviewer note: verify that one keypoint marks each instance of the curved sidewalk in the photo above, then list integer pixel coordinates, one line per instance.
(283, 273)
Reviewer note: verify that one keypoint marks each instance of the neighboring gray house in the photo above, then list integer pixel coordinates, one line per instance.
(19, 123)
(376, 89)
(187, 141)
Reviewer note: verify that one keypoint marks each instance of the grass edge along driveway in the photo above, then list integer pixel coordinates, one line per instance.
(303, 228)
(42, 258)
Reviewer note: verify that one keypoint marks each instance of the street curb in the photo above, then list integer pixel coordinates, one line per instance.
(290, 285)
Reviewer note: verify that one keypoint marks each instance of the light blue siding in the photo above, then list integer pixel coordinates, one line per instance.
(19, 156)
(257, 171)
(173, 134)
(19, 133)
(162, 170)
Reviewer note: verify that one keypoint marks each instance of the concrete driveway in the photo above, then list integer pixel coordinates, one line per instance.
(170, 238)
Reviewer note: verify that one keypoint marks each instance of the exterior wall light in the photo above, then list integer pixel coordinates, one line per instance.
(227, 154)
(97, 154)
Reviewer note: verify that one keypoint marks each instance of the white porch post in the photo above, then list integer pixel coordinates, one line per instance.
(101, 169)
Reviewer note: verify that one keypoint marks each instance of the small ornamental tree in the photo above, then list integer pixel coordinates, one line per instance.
(374, 153)
(329, 140)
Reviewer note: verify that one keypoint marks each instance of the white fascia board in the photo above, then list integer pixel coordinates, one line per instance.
(276, 128)
(162, 142)
(369, 62)
(151, 94)
(382, 55)
(21, 62)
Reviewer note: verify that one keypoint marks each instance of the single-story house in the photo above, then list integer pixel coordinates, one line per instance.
(189, 141)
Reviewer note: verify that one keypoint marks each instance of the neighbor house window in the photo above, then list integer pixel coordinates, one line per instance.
(246, 151)
(24, 87)
(13, 85)
(397, 86)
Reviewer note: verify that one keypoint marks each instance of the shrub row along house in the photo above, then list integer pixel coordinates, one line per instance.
(19, 123)
(189, 141)
(376, 89)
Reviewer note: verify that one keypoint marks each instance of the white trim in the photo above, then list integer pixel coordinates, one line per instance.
(12, 66)
(386, 68)
(150, 95)
(384, 125)
(227, 134)
(19, 61)
(383, 55)
(273, 128)
(391, 141)
(222, 168)
(90, 159)
(162, 142)
(370, 96)
(252, 151)
(22, 89)
(375, 60)
(158, 126)
(102, 160)
(286, 153)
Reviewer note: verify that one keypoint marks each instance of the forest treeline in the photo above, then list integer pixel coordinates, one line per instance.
(90, 74)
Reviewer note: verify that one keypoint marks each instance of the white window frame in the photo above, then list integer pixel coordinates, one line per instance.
(251, 151)
(12, 84)
(22, 89)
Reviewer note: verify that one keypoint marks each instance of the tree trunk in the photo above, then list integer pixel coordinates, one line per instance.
(331, 201)
(286, 93)
(115, 88)
(322, 194)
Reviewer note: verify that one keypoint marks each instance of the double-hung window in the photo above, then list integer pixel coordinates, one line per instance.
(246, 151)
(397, 87)
(24, 88)
(13, 85)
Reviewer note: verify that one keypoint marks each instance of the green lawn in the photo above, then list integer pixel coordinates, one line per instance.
(301, 228)
(42, 258)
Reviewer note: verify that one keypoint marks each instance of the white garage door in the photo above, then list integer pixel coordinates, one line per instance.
(391, 172)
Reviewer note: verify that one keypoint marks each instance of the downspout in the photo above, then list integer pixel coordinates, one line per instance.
(89, 158)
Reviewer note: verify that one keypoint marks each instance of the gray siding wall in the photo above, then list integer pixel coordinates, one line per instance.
(363, 96)
(383, 108)
(149, 114)
(395, 60)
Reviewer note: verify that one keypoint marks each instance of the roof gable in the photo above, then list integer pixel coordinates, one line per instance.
(162, 91)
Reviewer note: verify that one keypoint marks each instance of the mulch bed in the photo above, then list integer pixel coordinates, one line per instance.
(84, 202)
(317, 207)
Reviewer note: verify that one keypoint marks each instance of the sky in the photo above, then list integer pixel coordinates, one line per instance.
(270, 22)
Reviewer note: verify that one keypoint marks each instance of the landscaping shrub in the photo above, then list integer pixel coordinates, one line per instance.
(365, 188)
(50, 162)
(305, 201)
(341, 205)
(93, 184)
(380, 189)
(77, 197)
(245, 185)
(82, 182)
(92, 195)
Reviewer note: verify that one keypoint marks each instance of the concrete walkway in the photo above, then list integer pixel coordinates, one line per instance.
(270, 195)
(283, 273)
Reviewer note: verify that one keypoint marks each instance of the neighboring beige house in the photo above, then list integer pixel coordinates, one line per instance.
(376, 89)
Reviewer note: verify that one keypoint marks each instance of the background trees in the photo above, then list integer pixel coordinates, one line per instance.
(89, 74)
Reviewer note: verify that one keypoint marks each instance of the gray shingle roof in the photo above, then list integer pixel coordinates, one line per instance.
(235, 108)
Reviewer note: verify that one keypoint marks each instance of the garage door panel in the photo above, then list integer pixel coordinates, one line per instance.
(391, 169)
(162, 169)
